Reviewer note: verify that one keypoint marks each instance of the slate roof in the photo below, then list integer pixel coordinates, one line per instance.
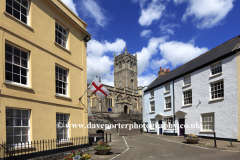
(220, 52)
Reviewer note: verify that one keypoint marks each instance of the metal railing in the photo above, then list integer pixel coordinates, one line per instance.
(41, 148)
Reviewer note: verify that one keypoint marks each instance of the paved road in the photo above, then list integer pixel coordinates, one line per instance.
(151, 147)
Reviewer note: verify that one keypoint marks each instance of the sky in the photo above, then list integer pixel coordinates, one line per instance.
(163, 33)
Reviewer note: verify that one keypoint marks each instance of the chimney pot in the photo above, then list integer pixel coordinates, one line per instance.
(168, 70)
(164, 69)
(160, 68)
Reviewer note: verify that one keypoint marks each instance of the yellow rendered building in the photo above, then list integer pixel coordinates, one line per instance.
(43, 71)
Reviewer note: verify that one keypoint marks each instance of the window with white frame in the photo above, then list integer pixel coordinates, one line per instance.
(62, 120)
(167, 87)
(187, 97)
(151, 93)
(17, 126)
(152, 106)
(19, 9)
(168, 103)
(216, 68)
(152, 124)
(16, 65)
(61, 35)
(187, 80)
(61, 81)
(208, 122)
(217, 90)
(169, 123)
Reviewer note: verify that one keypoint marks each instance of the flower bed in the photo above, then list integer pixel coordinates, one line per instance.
(77, 155)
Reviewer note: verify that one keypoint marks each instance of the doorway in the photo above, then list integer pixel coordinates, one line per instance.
(160, 127)
(125, 110)
(181, 129)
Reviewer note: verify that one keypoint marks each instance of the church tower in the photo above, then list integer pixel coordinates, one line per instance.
(125, 71)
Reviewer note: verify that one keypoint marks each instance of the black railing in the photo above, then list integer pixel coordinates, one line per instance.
(41, 148)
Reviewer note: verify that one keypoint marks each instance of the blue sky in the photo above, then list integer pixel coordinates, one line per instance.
(163, 33)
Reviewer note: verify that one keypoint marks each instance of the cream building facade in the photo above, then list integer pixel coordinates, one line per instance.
(44, 70)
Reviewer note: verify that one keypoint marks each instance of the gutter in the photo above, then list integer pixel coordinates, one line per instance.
(174, 108)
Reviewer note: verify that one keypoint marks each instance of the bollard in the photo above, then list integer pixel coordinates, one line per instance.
(110, 137)
(215, 143)
(106, 137)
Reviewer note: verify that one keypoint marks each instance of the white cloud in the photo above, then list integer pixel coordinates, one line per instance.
(155, 64)
(147, 52)
(95, 12)
(178, 1)
(207, 13)
(145, 33)
(146, 80)
(98, 63)
(179, 53)
(152, 12)
(71, 5)
(168, 28)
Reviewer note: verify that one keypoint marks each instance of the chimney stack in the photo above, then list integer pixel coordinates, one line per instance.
(162, 72)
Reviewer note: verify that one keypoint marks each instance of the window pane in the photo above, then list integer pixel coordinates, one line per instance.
(17, 113)
(9, 2)
(25, 114)
(8, 8)
(16, 14)
(16, 69)
(16, 78)
(17, 131)
(23, 80)
(24, 63)
(9, 140)
(25, 3)
(16, 60)
(17, 139)
(24, 130)
(9, 113)
(9, 122)
(24, 55)
(9, 131)
(17, 122)
(25, 122)
(8, 67)
(8, 76)
(23, 18)
(57, 90)
(23, 72)
(8, 57)
(16, 6)
(8, 48)
(64, 92)
(25, 139)
(24, 11)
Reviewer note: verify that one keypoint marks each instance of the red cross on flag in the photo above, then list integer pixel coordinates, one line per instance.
(97, 88)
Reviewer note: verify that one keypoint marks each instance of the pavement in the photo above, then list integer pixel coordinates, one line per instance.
(155, 147)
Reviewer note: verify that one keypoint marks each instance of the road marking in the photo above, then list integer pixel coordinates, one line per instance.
(123, 151)
(191, 145)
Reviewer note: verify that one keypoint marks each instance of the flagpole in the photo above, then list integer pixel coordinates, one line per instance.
(83, 94)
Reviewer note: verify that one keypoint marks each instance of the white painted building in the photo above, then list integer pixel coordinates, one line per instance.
(205, 95)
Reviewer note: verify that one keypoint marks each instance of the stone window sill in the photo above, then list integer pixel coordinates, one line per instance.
(61, 47)
(167, 109)
(206, 132)
(187, 105)
(17, 20)
(62, 96)
(217, 99)
(152, 112)
(187, 85)
(215, 75)
(18, 85)
(167, 92)
(151, 97)
(152, 129)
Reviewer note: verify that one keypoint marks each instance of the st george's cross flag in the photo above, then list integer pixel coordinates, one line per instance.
(97, 88)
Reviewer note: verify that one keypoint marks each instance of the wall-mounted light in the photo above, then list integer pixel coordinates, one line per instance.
(87, 38)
